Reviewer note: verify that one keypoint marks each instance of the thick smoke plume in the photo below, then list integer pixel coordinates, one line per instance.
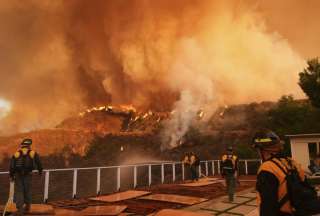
(59, 57)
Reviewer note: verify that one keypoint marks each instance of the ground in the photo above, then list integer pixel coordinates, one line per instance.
(144, 207)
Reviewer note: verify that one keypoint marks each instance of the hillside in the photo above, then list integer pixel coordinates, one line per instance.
(107, 130)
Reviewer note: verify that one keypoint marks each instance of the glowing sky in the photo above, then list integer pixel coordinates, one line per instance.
(5, 107)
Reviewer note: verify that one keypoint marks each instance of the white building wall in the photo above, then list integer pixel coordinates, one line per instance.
(300, 153)
(300, 150)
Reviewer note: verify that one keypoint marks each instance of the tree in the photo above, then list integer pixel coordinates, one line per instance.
(291, 116)
(310, 81)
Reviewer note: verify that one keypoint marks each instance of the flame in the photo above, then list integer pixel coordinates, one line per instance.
(136, 118)
(145, 115)
(221, 114)
(200, 114)
(128, 108)
(108, 108)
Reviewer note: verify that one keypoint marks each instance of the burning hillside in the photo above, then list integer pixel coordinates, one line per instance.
(115, 119)
(79, 131)
(124, 125)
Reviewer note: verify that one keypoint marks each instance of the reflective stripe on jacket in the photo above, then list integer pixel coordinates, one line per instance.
(269, 166)
(233, 158)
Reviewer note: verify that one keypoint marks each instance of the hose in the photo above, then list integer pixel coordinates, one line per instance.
(10, 199)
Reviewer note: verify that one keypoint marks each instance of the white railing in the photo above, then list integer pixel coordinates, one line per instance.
(214, 163)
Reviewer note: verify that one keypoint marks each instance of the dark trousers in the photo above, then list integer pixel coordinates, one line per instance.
(231, 185)
(22, 190)
(193, 170)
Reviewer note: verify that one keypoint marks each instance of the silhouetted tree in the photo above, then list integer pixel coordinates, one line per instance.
(310, 81)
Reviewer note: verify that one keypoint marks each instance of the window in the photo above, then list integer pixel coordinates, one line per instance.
(312, 150)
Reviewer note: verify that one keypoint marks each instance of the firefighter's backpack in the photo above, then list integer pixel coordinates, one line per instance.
(24, 160)
(302, 196)
(228, 163)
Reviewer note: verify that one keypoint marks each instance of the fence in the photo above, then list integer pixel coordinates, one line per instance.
(127, 176)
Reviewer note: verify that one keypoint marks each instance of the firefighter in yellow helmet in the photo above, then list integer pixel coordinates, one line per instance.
(281, 185)
(23, 162)
(229, 171)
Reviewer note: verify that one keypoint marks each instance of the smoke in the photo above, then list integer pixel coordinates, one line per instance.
(196, 92)
(299, 25)
(5, 108)
(59, 57)
(178, 125)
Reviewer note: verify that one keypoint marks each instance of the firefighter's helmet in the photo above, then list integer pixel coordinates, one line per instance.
(26, 142)
(265, 139)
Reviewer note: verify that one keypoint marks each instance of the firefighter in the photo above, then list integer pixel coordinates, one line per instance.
(194, 164)
(23, 162)
(277, 191)
(186, 160)
(229, 171)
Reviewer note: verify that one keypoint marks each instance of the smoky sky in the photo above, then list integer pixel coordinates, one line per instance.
(60, 57)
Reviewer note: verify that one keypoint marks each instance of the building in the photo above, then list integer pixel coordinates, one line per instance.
(304, 147)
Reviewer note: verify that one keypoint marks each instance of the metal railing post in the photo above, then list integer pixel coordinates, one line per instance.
(213, 168)
(134, 176)
(207, 172)
(98, 181)
(75, 181)
(173, 172)
(182, 167)
(162, 173)
(118, 178)
(246, 166)
(118, 175)
(46, 186)
(150, 179)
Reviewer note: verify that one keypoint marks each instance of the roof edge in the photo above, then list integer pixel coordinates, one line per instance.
(312, 135)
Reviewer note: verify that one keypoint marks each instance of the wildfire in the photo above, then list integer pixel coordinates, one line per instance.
(200, 114)
(149, 113)
(121, 108)
(128, 108)
(221, 114)
(137, 121)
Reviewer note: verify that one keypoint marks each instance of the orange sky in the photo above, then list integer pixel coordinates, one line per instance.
(297, 21)
(60, 57)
